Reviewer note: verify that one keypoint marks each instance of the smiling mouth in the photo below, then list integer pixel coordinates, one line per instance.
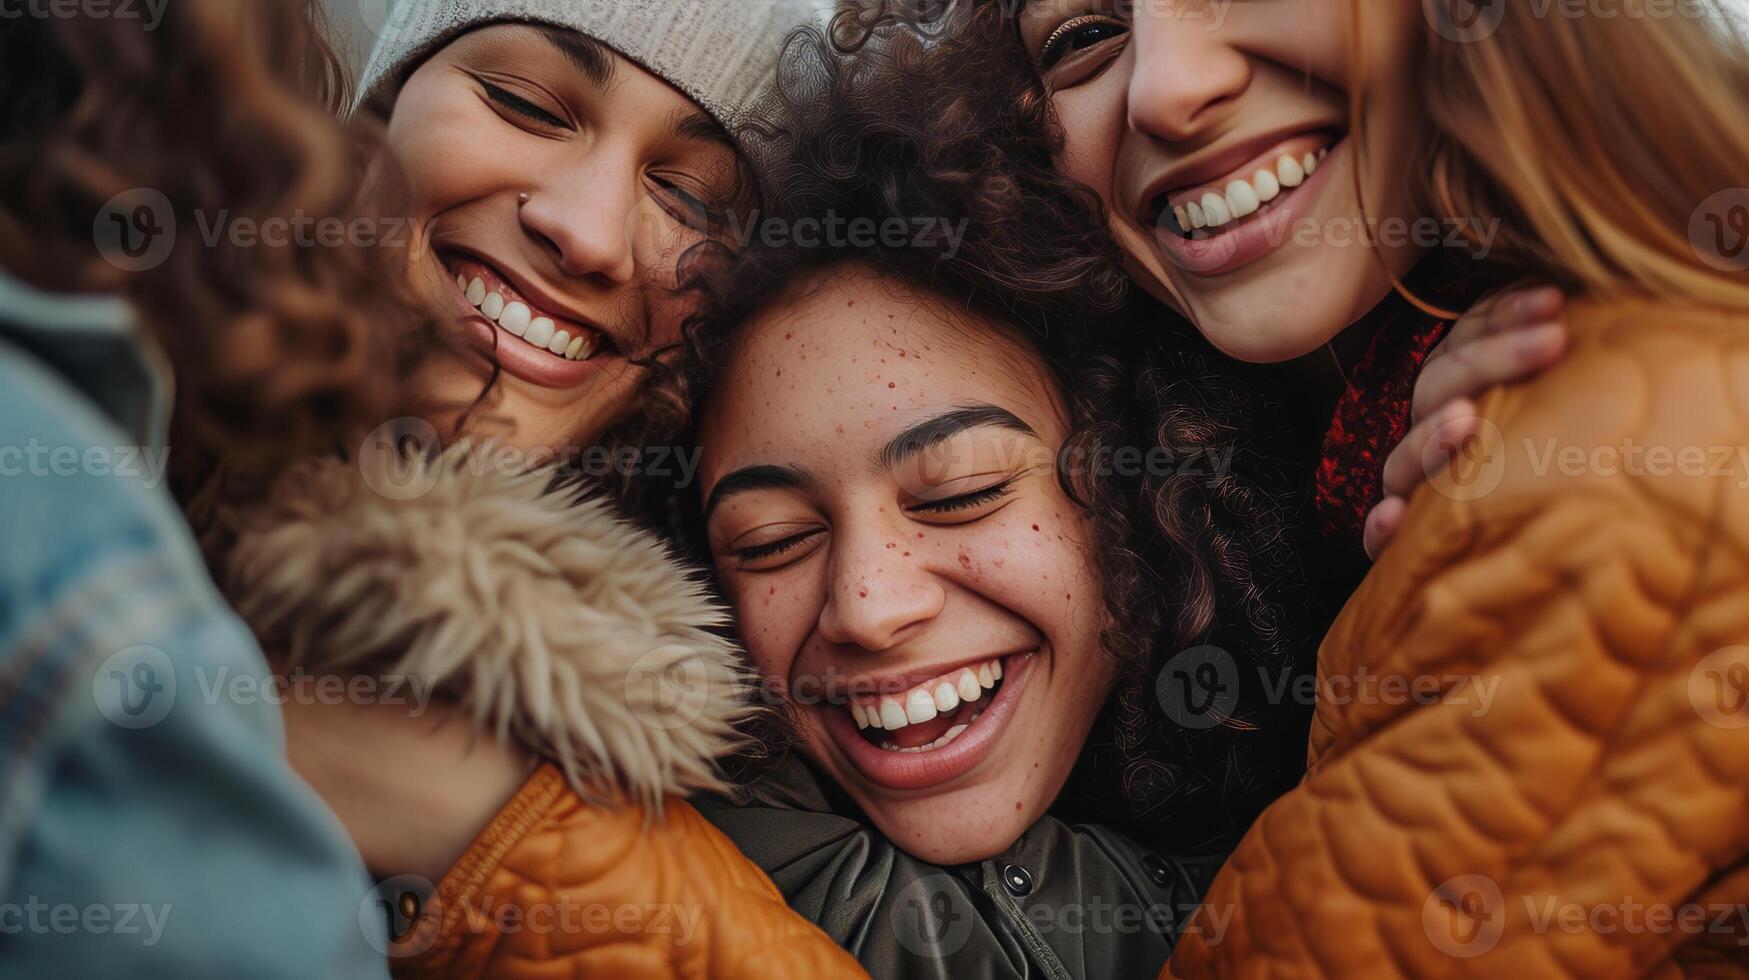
(490, 293)
(931, 715)
(1208, 211)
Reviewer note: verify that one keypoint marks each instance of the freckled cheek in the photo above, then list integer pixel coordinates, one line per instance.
(775, 619)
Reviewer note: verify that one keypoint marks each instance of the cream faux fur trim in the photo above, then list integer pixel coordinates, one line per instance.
(556, 622)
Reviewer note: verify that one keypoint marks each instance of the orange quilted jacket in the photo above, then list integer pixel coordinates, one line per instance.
(555, 887)
(1530, 755)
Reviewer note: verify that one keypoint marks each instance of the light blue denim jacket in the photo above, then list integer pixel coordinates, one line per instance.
(149, 822)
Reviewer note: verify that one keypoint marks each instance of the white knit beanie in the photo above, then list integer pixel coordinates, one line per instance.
(722, 53)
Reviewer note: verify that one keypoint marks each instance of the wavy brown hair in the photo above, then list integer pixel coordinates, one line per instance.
(891, 114)
(229, 110)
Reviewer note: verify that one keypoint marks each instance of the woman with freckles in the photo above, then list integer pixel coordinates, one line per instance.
(923, 594)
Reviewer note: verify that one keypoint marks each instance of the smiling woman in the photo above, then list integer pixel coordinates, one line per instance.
(888, 521)
(570, 167)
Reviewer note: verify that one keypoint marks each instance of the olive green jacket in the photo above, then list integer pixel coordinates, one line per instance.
(1066, 902)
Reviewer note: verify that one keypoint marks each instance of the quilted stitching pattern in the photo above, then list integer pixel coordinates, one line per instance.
(1527, 832)
(593, 891)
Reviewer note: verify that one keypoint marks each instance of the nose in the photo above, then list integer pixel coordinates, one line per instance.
(875, 594)
(1185, 75)
(579, 215)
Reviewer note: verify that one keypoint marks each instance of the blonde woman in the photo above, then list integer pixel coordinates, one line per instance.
(1582, 565)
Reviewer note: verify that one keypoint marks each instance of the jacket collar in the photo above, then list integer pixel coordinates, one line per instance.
(93, 342)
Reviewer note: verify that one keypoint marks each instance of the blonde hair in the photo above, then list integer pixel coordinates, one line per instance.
(1596, 140)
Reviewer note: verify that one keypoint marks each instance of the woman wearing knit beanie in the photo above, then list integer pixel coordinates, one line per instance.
(565, 159)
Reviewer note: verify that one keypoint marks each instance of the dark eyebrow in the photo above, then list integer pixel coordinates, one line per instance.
(586, 54)
(751, 478)
(937, 430)
(698, 126)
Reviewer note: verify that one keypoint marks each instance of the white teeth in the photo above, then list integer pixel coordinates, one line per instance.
(893, 716)
(1289, 171)
(920, 707)
(969, 688)
(1214, 208)
(516, 318)
(1242, 199)
(1268, 188)
(925, 703)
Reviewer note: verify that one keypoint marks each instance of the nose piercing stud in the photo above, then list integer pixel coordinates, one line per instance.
(523, 197)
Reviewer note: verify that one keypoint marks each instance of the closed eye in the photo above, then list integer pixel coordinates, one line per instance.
(508, 100)
(965, 501)
(764, 552)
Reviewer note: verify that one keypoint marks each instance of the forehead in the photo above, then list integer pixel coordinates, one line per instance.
(851, 358)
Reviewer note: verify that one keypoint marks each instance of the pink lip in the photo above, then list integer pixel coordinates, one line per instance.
(1252, 240)
(520, 360)
(921, 770)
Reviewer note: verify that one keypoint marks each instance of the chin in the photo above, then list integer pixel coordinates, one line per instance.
(950, 834)
(1272, 323)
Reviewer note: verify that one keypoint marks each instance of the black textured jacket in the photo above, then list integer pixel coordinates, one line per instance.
(1067, 902)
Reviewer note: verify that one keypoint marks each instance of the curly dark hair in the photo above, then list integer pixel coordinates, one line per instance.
(891, 113)
(229, 111)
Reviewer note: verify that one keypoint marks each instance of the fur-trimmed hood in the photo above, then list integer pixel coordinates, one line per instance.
(556, 622)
